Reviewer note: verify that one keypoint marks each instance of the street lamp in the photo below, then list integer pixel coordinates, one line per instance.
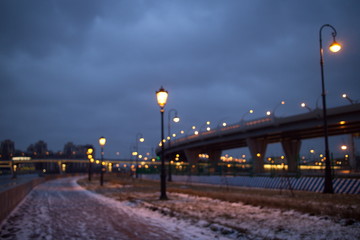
(90, 154)
(303, 105)
(139, 138)
(334, 47)
(162, 96)
(243, 116)
(277, 106)
(207, 128)
(347, 98)
(102, 142)
(175, 119)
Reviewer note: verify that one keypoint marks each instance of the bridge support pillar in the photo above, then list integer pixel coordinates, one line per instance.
(257, 147)
(353, 162)
(192, 156)
(214, 158)
(60, 167)
(291, 149)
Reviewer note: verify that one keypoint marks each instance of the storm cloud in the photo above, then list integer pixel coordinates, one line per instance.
(78, 70)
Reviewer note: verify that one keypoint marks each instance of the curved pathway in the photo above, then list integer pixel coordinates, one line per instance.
(61, 209)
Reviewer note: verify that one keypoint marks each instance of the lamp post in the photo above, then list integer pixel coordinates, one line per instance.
(245, 114)
(277, 106)
(334, 47)
(139, 138)
(175, 119)
(303, 105)
(207, 128)
(347, 98)
(102, 142)
(90, 153)
(162, 96)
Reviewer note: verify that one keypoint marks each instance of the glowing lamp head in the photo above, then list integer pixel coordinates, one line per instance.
(90, 151)
(335, 47)
(176, 119)
(141, 139)
(102, 141)
(303, 105)
(162, 96)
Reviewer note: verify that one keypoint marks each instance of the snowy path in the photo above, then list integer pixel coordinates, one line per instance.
(61, 209)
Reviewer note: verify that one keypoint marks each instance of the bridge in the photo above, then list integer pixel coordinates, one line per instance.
(62, 165)
(257, 134)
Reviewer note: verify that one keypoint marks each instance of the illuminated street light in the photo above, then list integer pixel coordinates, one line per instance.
(303, 105)
(276, 107)
(247, 113)
(162, 96)
(207, 128)
(347, 98)
(334, 47)
(139, 138)
(102, 142)
(175, 119)
(90, 154)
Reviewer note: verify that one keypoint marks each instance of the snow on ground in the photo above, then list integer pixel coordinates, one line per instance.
(239, 221)
(62, 209)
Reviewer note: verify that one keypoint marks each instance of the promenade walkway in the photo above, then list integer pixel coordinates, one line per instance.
(60, 209)
(130, 209)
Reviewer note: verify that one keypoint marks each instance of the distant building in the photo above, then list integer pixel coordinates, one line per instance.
(38, 150)
(75, 151)
(7, 149)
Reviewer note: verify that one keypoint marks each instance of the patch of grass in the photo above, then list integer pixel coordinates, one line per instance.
(336, 205)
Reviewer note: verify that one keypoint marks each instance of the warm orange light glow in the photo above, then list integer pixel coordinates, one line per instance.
(90, 151)
(335, 47)
(342, 122)
(102, 141)
(343, 147)
(162, 96)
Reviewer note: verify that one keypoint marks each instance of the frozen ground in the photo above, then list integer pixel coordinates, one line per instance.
(63, 210)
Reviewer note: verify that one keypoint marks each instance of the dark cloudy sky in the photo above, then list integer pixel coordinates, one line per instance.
(77, 70)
